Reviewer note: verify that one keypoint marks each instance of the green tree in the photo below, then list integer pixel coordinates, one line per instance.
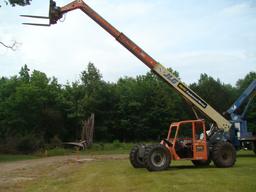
(24, 74)
(242, 84)
(146, 107)
(36, 110)
(29, 107)
(219, 95)
(89, 95)
(17, 2)
(74, 109)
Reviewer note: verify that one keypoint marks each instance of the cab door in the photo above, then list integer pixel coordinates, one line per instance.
(199, 141)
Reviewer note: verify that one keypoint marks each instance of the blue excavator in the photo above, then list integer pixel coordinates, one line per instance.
(237, 115)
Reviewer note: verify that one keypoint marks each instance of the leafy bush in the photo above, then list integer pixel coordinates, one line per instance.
(55, 142)
(28, 144)
(59, 151)
(116, 143)
(9, 145)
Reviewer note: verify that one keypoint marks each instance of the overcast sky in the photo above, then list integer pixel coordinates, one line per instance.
(217, 37)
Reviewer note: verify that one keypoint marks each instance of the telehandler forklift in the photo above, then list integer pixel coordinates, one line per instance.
(186, 139)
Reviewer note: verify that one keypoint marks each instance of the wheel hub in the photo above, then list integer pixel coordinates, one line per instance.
(158, 159)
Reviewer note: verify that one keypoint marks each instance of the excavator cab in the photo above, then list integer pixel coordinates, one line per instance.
(187, 140)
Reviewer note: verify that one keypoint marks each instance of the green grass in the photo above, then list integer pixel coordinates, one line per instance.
(96, 149)
(10, 158)
(108, 148)
(118, 175)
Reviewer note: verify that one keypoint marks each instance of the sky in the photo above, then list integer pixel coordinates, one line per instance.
(216, 37)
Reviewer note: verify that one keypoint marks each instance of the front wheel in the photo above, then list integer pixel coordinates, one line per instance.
(223, 154)
(157, 157)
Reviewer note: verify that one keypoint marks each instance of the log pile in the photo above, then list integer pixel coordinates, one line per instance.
(86, 134)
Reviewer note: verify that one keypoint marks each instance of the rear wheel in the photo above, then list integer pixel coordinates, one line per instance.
(157, 157)
(135, 159)
(223, 154)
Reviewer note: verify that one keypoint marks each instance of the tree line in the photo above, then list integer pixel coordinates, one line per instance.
(37, 111)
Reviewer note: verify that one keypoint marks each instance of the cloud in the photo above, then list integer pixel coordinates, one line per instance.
(239, 8)
(225, 65)
(251, 55)
(236, 9)
(186, 38)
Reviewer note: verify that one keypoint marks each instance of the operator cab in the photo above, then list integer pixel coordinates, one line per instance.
(187, 140)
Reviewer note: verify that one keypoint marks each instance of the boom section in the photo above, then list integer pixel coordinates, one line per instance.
(156, 67)
(249, 92)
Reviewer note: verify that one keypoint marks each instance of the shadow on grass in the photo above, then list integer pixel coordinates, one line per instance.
(178, 167)
(252, 154)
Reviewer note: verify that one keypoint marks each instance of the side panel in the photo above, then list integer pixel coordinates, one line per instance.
(199, 141)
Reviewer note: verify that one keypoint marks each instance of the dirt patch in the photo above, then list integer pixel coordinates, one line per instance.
(15, 175)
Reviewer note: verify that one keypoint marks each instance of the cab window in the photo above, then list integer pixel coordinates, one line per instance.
(199, 131)
(185, 130)
(173, 132)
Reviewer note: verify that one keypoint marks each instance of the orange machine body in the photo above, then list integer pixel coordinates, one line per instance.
(187, 140)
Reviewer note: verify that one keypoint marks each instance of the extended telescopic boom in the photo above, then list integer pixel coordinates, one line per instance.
(55, 13)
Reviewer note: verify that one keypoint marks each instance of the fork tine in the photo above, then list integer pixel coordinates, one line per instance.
(37, 24)
(34, 16)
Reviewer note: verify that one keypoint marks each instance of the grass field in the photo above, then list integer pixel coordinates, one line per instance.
(10, 158)
(96, 149)
(104, 172)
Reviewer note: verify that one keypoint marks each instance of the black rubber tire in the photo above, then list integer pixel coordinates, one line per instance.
(201, 163)
(157, 157)
(135, 160)
(223, 154)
